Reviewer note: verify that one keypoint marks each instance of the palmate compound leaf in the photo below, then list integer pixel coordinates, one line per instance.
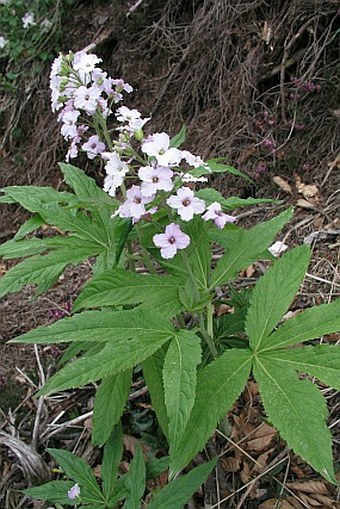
(129, 337)
(298, 410)
(321, 361)
(54, 491)
(44, 270)
(175, 494)
(79, 471)
(244, 247)
(311, 323)
(273, 294)
(109, 404)
(179, 377)
(120, 287)
(218, 386)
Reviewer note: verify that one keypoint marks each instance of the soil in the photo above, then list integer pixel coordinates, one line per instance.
(257, 82)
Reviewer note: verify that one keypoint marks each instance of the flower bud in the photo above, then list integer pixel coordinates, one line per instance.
(138, 134)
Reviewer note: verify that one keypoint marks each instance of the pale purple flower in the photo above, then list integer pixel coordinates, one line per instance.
(112, 182)
(93, 146)
(87, 98)
(74, 492)
(134, 205)
(186, 203)
(171, 240)
(69, 119)
(187, 177)
(158, 146)
(121, 86)
(28, 20)
(131, 118)
(155, 178)
(215, 213)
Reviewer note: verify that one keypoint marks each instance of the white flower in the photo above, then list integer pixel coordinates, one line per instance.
(69, 119)
(186, 203)
(192, 160)
(28, 20)
(132, 119)
(87, 98)
(158, 146)
(46, 24)
(85, 62)
(155, 178)
(277, 248)
(3, 42)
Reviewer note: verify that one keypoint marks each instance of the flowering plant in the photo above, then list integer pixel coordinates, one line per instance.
(156, 285)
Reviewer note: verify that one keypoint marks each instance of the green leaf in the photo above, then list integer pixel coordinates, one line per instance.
(274, 293)
(109, 405)
(111, 458)
(120, 287)
(122, 354)
(215, 166)
(311, 323)
(99, 326)
(179, 376)
(298, 410)
(245, 246)
(135, 481)
(210, 195)
(33, 223)
(153, 375)
(179, 491)
(78, 470)
(42, 271)
(218, 386)
(179, 138)
(320, 361)
(155, 466)
(230, 323)
(199, 253)
(36, 198)
(54, 491)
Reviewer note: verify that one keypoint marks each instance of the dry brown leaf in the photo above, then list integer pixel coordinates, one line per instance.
(231, 464)
(309, 501)
(245, 474)
(224, 309)
(324, 501)
(304, 204)
(309, 487)
(262, 460)
(261, 439)
(307, 190)
(276, 503)
(250, 271)
(283, 184)
(295, 503)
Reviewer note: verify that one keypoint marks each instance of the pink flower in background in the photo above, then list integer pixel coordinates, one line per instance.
(74, 492)
(214, 212)
(155, 178)
(171, 240)
(93, 146)
(134, 205)
(158, 146)
(186, 203)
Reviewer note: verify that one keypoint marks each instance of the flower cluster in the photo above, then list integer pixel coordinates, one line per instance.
(161, 174)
